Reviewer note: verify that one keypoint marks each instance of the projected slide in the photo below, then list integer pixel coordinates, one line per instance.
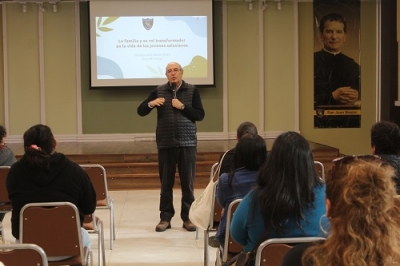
(135, 47)
(131, 42)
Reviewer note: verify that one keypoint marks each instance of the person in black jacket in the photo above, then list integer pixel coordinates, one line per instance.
(44, 175)
(385, 142)
(178, 107)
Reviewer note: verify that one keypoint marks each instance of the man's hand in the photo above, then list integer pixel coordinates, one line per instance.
(177, 104)
(157, 102)
(345, 95)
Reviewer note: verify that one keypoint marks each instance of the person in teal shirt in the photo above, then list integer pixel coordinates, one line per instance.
(288, 200)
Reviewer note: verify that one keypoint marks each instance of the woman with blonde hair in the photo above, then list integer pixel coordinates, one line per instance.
(363, 209)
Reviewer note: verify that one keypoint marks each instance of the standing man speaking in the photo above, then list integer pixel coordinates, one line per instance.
(178, 106)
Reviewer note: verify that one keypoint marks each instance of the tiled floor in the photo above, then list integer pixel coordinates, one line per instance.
(137, 242)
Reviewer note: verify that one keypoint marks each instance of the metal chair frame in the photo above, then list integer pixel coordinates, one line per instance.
(320, 169)
(5, 204)
(230, 246)
(22, 254)
(281, 247)
(104, 201)
(55, 226)
(94, 225)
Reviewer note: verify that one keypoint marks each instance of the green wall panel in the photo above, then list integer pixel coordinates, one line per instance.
(23, 68)
(60, 71)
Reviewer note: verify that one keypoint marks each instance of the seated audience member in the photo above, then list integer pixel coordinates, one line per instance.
(7, 157)
(385, 142)
(44, 175)
(363, 209)
(227, 162)
(288, 200)
(250, 154)
(243, 128)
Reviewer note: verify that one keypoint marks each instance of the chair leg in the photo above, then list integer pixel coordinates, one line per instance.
(102, 255)
(206, 254)
(99, 251)
(89, 261)
(112, 225)
(197, 233)
(113, 221)
(218, 260)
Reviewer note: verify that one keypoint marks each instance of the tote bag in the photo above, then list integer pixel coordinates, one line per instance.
(202, 208)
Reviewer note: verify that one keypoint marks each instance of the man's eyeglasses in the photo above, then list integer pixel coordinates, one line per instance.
(173, 70)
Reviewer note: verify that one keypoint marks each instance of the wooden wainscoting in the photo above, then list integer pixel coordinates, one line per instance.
(133, 165)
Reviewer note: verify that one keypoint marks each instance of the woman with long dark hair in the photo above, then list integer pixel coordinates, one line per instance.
(289, 198)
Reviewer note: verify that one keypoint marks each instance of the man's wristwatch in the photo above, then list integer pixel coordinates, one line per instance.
(182, 107)
(150, 105)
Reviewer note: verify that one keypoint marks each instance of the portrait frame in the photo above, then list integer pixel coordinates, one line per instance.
(337, 73)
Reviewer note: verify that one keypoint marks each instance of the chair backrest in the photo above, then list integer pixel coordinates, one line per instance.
(22, 254)
(271, 251)
(54, 226)
(215, 218)
(3, 188)
(230, 245)
(320, 169)
(89, 222)
(98, 176)
(214, 168)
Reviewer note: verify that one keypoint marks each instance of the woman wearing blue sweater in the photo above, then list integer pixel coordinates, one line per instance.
(250, 154)
(289, 199)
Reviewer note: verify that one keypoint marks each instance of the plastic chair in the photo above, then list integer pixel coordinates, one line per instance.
(230, 248)
(98, 176)
(94, 225)
(55, 226)
(23, 254)
(271, 251)
(5, 204)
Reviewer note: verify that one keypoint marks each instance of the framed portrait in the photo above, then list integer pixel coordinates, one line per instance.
(337, 71)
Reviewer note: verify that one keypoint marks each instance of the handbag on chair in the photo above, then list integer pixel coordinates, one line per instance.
(246, 258)
(241, 259)
(202, 207)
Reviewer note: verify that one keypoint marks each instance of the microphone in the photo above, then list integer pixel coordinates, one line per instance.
(174, 90)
